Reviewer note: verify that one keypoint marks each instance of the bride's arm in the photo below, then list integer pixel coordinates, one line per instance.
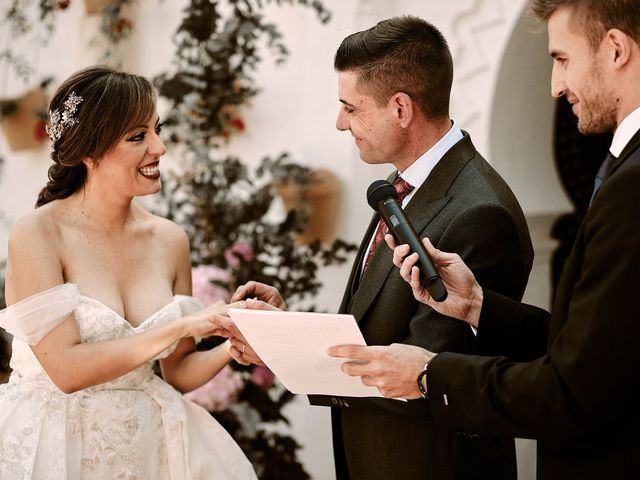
(34, 266)
(187, 368)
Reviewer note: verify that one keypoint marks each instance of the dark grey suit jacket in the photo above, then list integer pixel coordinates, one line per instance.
(465, 207)
(579, 397)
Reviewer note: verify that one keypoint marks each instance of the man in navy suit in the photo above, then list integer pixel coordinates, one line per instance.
(570, 378)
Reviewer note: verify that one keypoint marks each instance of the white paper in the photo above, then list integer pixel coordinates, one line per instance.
(294, 347)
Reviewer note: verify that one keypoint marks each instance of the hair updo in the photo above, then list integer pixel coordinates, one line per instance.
(113, 103)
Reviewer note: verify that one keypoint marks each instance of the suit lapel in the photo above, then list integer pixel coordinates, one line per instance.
(572, 266)
(355, 271)
(424, 206)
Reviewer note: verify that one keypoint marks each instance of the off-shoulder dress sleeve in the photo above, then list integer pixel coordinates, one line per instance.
(188, 304)
(33, 317)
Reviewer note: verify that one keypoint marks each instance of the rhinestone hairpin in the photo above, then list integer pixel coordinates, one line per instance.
(59, 122)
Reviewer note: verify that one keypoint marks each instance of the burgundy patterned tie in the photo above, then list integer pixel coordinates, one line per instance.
(403, 188)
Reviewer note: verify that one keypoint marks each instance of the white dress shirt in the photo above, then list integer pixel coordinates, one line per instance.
(418, 171)
(627, 129)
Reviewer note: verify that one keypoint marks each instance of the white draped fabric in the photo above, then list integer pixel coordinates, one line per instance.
(135, 427)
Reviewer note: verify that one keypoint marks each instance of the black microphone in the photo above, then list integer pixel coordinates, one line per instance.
(383, 198)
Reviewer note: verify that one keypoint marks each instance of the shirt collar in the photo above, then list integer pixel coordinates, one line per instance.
(625, 131)
(418, 171)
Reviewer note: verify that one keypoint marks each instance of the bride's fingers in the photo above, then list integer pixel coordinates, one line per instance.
(220, 332)
(256, 304)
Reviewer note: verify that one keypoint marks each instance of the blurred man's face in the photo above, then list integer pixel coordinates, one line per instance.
(579, 74)
(374, 128)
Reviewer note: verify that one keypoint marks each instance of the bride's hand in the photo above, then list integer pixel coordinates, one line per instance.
(202, 323)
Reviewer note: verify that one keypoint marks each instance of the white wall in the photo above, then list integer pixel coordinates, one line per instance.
(500, 95)
(504, 107)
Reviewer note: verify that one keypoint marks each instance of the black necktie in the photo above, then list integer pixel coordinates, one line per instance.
(602, 174)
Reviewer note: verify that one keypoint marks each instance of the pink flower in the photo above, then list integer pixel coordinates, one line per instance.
(237, 251)
(219, 392)
(203, 289)
(263, 377)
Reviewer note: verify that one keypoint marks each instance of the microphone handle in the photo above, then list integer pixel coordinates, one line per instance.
(404, 232)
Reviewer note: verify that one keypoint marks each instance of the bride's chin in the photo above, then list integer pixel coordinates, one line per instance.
(149, 191)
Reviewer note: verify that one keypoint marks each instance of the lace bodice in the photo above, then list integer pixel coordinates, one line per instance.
(136, 427)
(33, 317)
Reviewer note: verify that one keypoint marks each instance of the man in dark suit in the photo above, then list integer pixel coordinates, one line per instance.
(394, 83)
(569, 379)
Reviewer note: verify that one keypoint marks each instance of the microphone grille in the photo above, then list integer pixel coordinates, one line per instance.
(378, 191)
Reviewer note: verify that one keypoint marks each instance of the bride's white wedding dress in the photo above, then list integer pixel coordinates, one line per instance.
(135, 427)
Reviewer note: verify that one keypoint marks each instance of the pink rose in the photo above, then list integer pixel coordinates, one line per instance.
(237, 251)
(263, 377)
(203, 289)
(219, 392)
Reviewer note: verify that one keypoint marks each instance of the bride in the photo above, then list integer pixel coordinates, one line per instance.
(98, 289)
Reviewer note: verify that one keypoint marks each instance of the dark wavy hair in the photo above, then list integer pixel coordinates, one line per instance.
(595, 17)
(402, 54)
(5, 356)
(113, 103)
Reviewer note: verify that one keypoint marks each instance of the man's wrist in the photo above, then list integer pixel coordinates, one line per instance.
(422, 379)
(473, 315)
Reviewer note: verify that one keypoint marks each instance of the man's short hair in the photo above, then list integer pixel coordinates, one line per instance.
(403, 54)
(595, 17)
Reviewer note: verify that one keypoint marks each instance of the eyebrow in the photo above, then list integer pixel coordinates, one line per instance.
(145, 126)
(347, 103)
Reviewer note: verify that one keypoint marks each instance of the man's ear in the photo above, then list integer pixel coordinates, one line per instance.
(619, 47)
(404, 108)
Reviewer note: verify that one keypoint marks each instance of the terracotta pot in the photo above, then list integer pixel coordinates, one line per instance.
(322, 194)
(94, 6)
(24, 128)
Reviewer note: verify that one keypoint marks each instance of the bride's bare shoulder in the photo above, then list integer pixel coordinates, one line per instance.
(38, 226)
(165, 230)
(33, 257)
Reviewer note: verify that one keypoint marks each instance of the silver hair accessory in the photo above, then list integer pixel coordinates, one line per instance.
(58, 122)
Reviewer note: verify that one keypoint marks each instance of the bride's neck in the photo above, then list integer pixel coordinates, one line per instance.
(101, 211)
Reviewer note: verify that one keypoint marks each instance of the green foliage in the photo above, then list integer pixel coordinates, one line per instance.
(231, 213)
(214, 65)
(25, 19)
(219, 201)
(222, 205)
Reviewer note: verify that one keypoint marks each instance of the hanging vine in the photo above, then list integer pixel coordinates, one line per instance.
(219, 200)
(237, 226)
(228, 209)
